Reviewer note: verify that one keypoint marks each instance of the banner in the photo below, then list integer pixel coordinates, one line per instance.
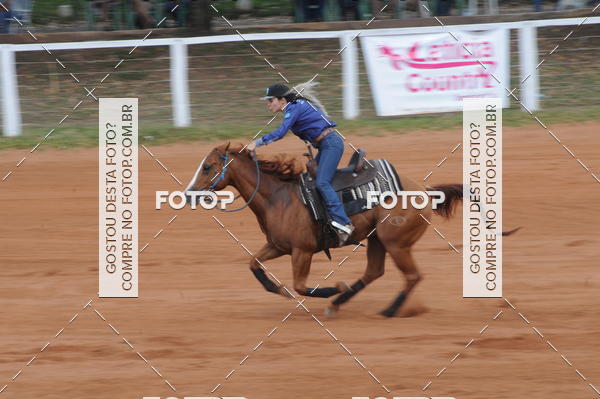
(412, 74)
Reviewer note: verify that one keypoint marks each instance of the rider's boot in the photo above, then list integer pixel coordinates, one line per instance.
(343, 231)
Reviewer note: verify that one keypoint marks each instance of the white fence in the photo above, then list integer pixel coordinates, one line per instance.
(179, 86)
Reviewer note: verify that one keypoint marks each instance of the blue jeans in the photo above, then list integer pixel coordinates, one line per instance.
(331, 149)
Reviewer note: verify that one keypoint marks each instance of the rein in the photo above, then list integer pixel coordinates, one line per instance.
(222, 176)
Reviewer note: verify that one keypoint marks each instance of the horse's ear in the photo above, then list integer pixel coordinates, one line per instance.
(227, 146)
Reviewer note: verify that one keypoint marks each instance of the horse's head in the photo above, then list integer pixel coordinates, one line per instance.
(214, 173)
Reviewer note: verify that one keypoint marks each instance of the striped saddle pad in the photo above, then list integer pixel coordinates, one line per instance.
(377, 175)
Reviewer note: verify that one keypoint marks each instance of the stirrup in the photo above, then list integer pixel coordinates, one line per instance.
(348, 228)
(343, 232)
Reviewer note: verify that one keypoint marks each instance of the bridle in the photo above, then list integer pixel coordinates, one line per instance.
(224, 158)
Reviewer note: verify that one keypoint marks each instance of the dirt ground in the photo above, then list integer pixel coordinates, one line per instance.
(201, 312)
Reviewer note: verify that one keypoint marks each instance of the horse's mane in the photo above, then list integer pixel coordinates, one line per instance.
(285, 167)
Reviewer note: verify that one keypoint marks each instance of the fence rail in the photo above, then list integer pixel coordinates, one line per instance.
(178, 57)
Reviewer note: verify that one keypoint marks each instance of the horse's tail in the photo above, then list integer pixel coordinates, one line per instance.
(453, 193)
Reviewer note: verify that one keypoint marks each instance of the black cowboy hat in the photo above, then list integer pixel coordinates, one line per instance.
(276, 90)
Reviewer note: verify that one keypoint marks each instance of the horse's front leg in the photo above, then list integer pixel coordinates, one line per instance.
(301, 261)
(265, 253)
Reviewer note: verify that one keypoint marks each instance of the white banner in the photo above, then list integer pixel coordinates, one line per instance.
(482, 198)
(411, 74)
(118, 197)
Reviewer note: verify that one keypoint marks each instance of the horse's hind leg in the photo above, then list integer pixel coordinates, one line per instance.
(406, 263)
(375, 268)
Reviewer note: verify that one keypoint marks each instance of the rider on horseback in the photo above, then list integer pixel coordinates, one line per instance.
(306, 117)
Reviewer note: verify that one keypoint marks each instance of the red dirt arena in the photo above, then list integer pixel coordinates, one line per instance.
(202, 319)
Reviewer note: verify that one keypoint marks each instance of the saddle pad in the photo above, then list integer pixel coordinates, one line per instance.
(383, 177)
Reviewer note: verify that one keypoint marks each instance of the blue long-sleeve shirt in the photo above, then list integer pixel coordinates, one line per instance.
(305, 120)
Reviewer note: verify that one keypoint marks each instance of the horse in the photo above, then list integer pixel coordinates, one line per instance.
(270, 189)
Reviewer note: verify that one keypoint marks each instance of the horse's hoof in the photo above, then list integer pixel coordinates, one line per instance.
(342, 287)
(331, 310)
(387, 313)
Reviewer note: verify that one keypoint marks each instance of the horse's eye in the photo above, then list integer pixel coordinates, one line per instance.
(206, 168)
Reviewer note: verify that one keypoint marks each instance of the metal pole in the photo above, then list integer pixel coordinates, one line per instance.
(11, 109)
(528, 60)
(180, 99)
(350, 78)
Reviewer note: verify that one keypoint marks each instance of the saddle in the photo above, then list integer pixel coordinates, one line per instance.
(355, 165)
(351, 184)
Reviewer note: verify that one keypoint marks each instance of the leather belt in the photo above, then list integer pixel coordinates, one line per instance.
(323, 134)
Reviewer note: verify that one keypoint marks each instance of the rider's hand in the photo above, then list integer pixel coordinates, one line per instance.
(251, 146)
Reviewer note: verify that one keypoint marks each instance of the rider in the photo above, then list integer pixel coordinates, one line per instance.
(306, 118)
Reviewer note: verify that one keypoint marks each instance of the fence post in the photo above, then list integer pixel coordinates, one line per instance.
(350, 87)
(528, 60)
(472, 7)
(180, 100)
(11, 110)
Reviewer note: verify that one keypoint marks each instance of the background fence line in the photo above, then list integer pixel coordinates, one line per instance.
(191, 70)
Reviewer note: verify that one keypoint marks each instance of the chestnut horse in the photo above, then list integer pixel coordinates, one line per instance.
(270, 189)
